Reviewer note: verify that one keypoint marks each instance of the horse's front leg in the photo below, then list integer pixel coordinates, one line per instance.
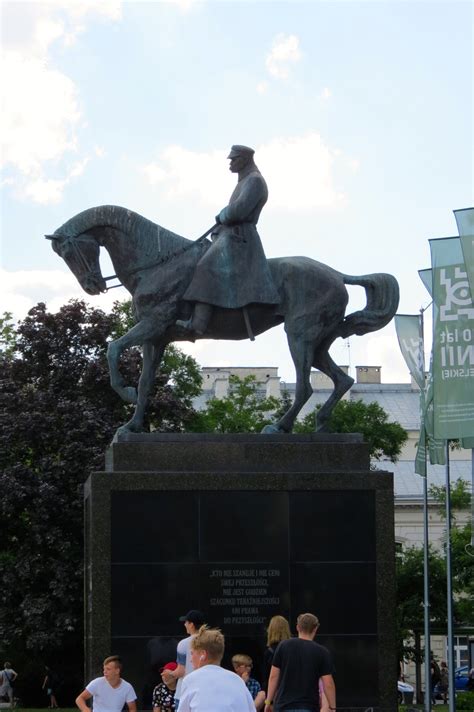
(152, 356)
(137, 335)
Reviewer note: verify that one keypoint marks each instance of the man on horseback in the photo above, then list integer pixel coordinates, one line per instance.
(234, 271)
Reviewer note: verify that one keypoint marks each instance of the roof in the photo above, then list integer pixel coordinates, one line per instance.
(408, 485)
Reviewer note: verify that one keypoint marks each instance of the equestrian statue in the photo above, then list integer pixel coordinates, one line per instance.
(221, 288)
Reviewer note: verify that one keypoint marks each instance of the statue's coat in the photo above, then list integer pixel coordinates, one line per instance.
(234, 271)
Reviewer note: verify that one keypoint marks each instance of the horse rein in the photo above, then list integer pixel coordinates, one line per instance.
(88, 270)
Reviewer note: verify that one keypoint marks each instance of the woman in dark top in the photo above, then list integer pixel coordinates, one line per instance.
(278, 630)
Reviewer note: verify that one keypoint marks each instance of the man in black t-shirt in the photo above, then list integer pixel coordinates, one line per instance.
(298, 665)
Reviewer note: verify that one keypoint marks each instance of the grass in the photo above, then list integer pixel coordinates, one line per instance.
(437, 707)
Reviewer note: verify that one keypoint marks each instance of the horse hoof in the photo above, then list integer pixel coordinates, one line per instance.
(272, 429)
(128, 428)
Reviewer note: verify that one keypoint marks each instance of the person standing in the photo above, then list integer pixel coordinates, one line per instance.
(193, 620)
(278, 630)
(435, 677)
(210, 688)
(443, 686)
(8, 677)
(298, 665)
(49, 684)
(110, 693)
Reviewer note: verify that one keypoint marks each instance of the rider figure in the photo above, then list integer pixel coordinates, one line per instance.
(234, 271)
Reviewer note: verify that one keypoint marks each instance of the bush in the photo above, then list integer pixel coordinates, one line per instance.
(465, 701)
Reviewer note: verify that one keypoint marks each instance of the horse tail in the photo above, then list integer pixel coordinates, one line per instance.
(382, 294)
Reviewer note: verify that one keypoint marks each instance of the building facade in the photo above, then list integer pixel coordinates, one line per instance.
(401, 403)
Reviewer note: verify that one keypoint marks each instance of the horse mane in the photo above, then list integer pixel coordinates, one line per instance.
(155, 241)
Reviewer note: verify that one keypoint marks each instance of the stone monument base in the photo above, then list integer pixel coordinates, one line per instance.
(243, 527)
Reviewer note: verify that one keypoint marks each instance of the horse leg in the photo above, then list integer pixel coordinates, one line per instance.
(137, 336)
(342, 382)
(152, 356)
(302, 355)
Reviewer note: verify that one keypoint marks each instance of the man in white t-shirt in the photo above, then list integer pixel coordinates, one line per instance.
(210, 688)
(110, 693)
(193, 620)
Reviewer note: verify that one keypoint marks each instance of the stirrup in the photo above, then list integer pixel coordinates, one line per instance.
(185, 324)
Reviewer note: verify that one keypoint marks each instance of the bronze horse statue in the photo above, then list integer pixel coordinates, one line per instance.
(156, 266)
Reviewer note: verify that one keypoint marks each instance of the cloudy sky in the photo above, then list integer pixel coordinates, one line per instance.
(360, 114)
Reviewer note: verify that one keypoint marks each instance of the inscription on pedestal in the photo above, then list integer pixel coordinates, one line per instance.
(245, 595)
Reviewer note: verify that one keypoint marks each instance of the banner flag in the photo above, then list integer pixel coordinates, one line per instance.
(465, 223)
(436, 446)
(427, 279)
(453, 342)
(410, 338)
(408, 328)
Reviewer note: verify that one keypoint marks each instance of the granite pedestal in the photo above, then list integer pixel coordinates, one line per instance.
(242, 527)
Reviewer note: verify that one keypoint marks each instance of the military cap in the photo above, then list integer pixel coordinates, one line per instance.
(240, 151)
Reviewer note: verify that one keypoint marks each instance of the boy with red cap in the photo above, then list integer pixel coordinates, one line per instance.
(163, 694)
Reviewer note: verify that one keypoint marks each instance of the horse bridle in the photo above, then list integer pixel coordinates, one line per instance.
(82, 260)
(78, 256)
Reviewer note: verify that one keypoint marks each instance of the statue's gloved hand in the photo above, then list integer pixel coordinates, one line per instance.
(222, 218)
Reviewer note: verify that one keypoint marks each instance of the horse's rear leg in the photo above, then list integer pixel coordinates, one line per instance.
(342, 382)
(302, 355)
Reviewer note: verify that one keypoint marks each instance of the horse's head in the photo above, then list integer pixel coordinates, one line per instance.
(81, 254)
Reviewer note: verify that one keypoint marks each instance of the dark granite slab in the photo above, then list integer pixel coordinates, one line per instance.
(243, 527)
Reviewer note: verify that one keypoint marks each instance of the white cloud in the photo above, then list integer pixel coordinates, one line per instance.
(302, 170)
(21, 290)
(40, 116)
(184, 5)
(186, 173)
(41, 111)
(302, 173)
(45, 191)
(284, 52)
(380, 351)
(262, 87)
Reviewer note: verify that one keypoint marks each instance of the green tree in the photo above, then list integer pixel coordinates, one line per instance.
(385, 439)
(410, 596)
(242, 411)
(462, 555)
(7, 335)
(58, 415)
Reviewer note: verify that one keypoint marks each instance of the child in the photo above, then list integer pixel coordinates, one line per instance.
(242, 665)
(163, 694)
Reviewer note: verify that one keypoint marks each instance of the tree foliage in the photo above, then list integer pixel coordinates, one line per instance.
(410, 577)
(410, 595)
(242, 411)
(385, 439)
(58, 416)
(462, 553)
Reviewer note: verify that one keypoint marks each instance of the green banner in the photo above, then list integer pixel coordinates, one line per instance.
(453, 342)
(465, 222)
(409, 330)
(427, 279)
(410, 339)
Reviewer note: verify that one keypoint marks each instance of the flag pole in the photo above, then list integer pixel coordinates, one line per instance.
(449, 588)
(426, 570)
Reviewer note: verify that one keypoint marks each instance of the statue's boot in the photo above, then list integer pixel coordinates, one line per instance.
(197, 324)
